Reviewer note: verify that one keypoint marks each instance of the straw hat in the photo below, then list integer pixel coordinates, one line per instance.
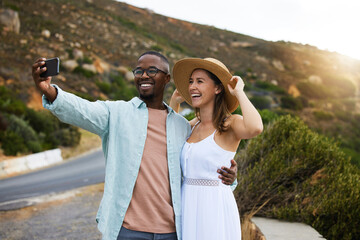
(183, 69)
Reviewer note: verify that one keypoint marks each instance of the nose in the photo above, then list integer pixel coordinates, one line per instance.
(145, 75)
(192, 86)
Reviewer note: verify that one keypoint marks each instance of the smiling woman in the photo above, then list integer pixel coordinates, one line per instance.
(209, 210)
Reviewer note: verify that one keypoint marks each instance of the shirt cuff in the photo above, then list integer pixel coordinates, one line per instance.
(51, 106)
(234, 185)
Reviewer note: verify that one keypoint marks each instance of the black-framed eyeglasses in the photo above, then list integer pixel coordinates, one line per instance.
(151, 71)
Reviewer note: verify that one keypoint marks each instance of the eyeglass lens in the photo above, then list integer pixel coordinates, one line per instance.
(151, 72)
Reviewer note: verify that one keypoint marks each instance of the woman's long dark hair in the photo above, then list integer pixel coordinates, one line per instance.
(221, 112)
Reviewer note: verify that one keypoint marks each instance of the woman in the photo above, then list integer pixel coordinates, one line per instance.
(209, 209)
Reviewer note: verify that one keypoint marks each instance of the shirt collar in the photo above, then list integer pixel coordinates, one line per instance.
(140, 104)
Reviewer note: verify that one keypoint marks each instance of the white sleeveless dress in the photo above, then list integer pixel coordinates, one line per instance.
(209, 209)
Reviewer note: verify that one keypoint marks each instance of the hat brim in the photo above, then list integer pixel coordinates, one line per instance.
(182, 72)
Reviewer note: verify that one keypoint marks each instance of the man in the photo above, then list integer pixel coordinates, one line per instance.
(142, 141)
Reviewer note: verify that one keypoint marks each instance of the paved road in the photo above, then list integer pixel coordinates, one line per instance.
(279, 230)
(85, 170)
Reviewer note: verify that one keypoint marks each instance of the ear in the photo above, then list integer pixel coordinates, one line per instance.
(218, 90)
(167, 78)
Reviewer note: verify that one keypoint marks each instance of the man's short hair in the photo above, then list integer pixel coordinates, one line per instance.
(162, 57)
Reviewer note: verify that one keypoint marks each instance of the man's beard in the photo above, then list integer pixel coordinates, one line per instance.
(147, 97)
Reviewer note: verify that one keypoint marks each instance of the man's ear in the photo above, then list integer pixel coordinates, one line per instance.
(168, 77)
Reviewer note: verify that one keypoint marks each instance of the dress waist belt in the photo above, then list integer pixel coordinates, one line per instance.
(201, 182)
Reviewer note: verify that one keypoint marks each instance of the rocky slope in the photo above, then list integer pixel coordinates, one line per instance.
(113, 34)
(98, 43)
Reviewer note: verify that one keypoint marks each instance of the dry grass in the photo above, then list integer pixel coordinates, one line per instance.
(4, 157)
(249, 231)
(88, 142)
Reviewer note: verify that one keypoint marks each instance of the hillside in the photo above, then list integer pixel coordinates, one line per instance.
(98, 42)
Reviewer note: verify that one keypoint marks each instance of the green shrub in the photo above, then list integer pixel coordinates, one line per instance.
(87, 60)
(304, 101)
(70, 52)
(121, 90)
(315, 91)
(260, 102)
(190, 116)
(343, 115)
(127, 23)
(45, 124)
(355, 156)
(240, 73)
(290, 102)
(9, 103)
(84, 72)
(104, 87)
(267, 116)
(11, 6)
(34, 146)
(269, 87)
(69, 136)
(301, 176)
(24, 130)
(323, 116)
(84, 60)
(156, 48)
(178, 47)
(18, 128)
(42, 121)
(12, 143)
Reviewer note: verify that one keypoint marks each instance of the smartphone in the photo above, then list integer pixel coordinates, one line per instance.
(52, 67)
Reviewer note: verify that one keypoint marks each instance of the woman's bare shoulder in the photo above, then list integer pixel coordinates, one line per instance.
(193, 121)
(234, 118)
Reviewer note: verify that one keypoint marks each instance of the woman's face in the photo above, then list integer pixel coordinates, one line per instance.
(202, 89)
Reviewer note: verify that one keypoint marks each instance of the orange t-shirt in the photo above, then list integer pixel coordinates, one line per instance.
(151, 209)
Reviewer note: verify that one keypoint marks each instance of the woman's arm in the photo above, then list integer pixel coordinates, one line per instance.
(250, 124)
(175, 101)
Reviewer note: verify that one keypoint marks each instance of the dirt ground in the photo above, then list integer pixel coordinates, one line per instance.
(70, 215)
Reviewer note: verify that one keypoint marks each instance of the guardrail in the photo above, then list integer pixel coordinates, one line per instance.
(30, 162)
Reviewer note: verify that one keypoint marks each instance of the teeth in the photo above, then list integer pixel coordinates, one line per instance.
(145, 85)
(195, 95)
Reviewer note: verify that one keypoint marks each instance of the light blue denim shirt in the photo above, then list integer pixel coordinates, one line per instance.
(122, 127)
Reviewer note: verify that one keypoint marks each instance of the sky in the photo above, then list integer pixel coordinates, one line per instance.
(332, 25)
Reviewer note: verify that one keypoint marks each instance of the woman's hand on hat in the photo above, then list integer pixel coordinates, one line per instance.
(238, 83)
(175, 101)
(177, 97)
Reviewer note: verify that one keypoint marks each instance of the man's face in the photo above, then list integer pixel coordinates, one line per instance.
(152, 88)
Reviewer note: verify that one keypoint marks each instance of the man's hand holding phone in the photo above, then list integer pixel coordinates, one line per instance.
(42, 70)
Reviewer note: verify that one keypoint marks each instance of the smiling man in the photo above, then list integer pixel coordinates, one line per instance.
(141, 141)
